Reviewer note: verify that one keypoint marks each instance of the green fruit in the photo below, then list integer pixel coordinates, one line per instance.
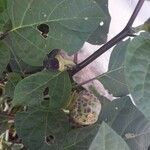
(85, 109)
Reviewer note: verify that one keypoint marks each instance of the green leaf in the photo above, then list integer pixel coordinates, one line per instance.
(40, 122)
(114, 82)
(99, 36)
(70, 24)
(80, 138)
(107, 139)
(4, 18)
(42, 130)
(4, 57)
(17, 65)
(117, 57)
(93, 138)
(128, 122)
(114, 79)
(145, 26)
(3, 6)
(13, 79)
(138, 71)
(30, 91)
(123, 117)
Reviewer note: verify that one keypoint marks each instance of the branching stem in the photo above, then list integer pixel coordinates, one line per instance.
(127, 31)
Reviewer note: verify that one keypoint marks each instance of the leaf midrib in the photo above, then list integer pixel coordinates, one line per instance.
(54, 20)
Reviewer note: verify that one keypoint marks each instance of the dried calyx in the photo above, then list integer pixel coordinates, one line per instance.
(58, 60)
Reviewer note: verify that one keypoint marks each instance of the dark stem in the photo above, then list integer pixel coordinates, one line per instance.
(135, 13)
(127, 31)
(100, 51)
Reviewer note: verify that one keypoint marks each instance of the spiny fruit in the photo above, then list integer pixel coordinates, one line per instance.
(85, 108)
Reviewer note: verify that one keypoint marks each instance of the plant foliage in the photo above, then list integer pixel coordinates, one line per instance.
(35, 101)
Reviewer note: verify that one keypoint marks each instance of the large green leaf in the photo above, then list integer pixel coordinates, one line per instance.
(107, 139)
(70, 24)
(80, 138)
(114, 79)
(35, 124)
(4, 57)
(99, 36)
(5, 22)
(42, 130)
(114, 82)
(125, 118)
(98, 136)
(3, 6)
(121, 115)
(17, 65)
(13, 79)
(138, 71)
(117, 57)
(30, 91)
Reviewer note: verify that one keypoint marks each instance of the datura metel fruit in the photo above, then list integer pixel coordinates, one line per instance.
(85, 108)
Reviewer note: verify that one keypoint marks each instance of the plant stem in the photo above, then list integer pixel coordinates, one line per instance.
(127, 31)
(135, 13)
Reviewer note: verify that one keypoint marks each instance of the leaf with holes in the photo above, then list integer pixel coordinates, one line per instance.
(114, 79)
(40, 129)
(68, 23)
(80, 138)
(138, 71)
(99, 36)
(4, 57)
(121, 115)
(33, 90)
